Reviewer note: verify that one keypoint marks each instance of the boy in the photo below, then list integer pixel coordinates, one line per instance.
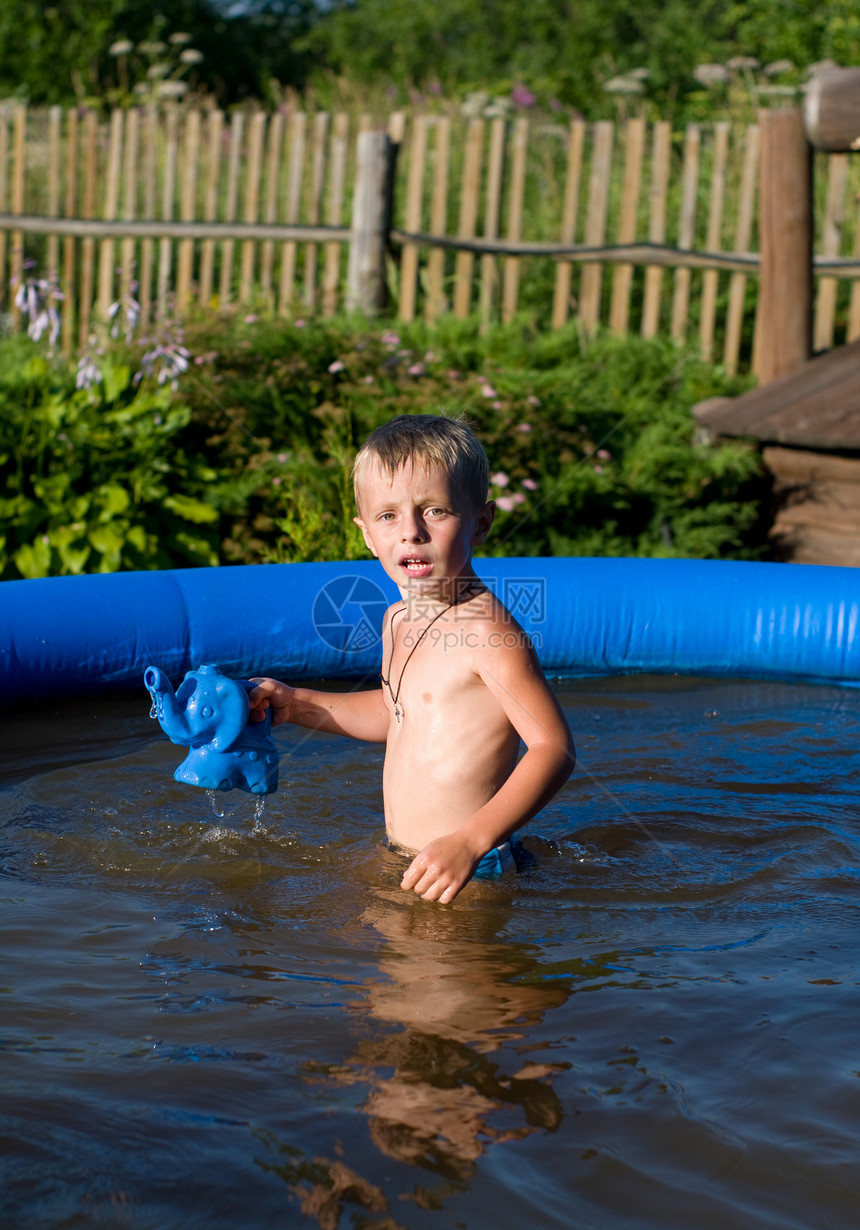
(461, 685)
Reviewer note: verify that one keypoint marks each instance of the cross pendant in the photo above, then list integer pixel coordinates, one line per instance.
(397, 713)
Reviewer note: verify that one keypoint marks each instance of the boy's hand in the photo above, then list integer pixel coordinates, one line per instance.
(441, 869)
(270, 694)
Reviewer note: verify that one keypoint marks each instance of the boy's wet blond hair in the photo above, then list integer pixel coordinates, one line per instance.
(438, 440)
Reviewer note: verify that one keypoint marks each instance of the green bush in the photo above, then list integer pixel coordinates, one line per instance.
(592, 446)
(95, 480)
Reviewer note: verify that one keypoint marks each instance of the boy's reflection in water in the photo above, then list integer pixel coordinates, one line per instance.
(436, 1097)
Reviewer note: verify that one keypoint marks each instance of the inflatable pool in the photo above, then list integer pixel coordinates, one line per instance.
(79, 635)
(226, 1017)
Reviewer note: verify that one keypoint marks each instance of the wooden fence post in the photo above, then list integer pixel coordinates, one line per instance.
(832, 110)
(786, 228)
(366, 288)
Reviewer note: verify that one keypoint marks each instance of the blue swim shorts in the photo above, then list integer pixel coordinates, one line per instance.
(509, 856)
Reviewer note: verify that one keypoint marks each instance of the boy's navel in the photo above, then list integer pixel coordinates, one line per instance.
(427, 698)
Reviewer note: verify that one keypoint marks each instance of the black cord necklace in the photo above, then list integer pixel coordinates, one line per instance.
(395, 696)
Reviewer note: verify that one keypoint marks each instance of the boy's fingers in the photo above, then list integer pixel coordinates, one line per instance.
(425, 882)
(412, 874)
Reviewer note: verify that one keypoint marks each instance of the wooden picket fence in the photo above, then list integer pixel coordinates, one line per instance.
(631, 227)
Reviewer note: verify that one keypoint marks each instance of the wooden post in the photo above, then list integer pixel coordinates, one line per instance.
(18, 166)
(786, 227)
(595, 224)
(370, 224)
(832, 110)
(109, 211)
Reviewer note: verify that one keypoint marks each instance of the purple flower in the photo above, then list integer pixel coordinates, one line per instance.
(38, 299)
(417, 369)
(505, 503)
(337, 366)
(125, 314)
(166, 361)
(500, 479)
(521, 97)
(530, 484)
(89, 372)
(526, 427)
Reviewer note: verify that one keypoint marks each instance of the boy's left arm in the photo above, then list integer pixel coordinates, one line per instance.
(515, 679)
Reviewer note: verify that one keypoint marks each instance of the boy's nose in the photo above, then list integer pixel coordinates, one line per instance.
(413, 529)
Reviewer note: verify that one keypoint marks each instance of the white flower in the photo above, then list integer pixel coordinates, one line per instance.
(497, 109)
(711, 74)
(473, 104)
(122, 47)
(623, 85)
(777, 68)
(191, 56)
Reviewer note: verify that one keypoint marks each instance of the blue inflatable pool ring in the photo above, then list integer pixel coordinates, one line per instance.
(78, 635)
(208, 713)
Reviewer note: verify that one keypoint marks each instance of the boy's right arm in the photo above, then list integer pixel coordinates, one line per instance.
(362, 715)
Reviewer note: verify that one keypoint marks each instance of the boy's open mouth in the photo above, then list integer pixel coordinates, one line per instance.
(415, 566)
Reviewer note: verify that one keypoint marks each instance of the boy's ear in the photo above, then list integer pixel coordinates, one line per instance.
(358, 521)
(483, 521)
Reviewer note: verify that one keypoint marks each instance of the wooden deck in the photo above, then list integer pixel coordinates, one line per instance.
(816, 407)
(809, 424)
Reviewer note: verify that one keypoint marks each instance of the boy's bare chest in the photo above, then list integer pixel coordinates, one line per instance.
(430, 672)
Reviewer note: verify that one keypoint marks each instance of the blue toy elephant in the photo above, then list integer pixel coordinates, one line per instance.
(209, 714)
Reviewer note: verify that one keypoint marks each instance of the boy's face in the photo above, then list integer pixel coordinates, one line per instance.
(420, 526)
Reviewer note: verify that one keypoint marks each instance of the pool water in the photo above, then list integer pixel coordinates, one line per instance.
(239, 1022)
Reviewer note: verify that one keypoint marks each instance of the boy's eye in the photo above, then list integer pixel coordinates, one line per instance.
(435, 511)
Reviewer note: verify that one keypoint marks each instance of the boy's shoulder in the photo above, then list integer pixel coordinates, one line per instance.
(485, 609)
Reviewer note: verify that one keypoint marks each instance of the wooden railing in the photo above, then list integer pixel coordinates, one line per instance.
(632, 227)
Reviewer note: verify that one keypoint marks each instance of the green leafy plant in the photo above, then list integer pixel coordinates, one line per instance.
(247, 460)
(93, 479)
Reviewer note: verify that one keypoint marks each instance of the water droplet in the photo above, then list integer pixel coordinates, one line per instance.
(216, 802)
(153, 713)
